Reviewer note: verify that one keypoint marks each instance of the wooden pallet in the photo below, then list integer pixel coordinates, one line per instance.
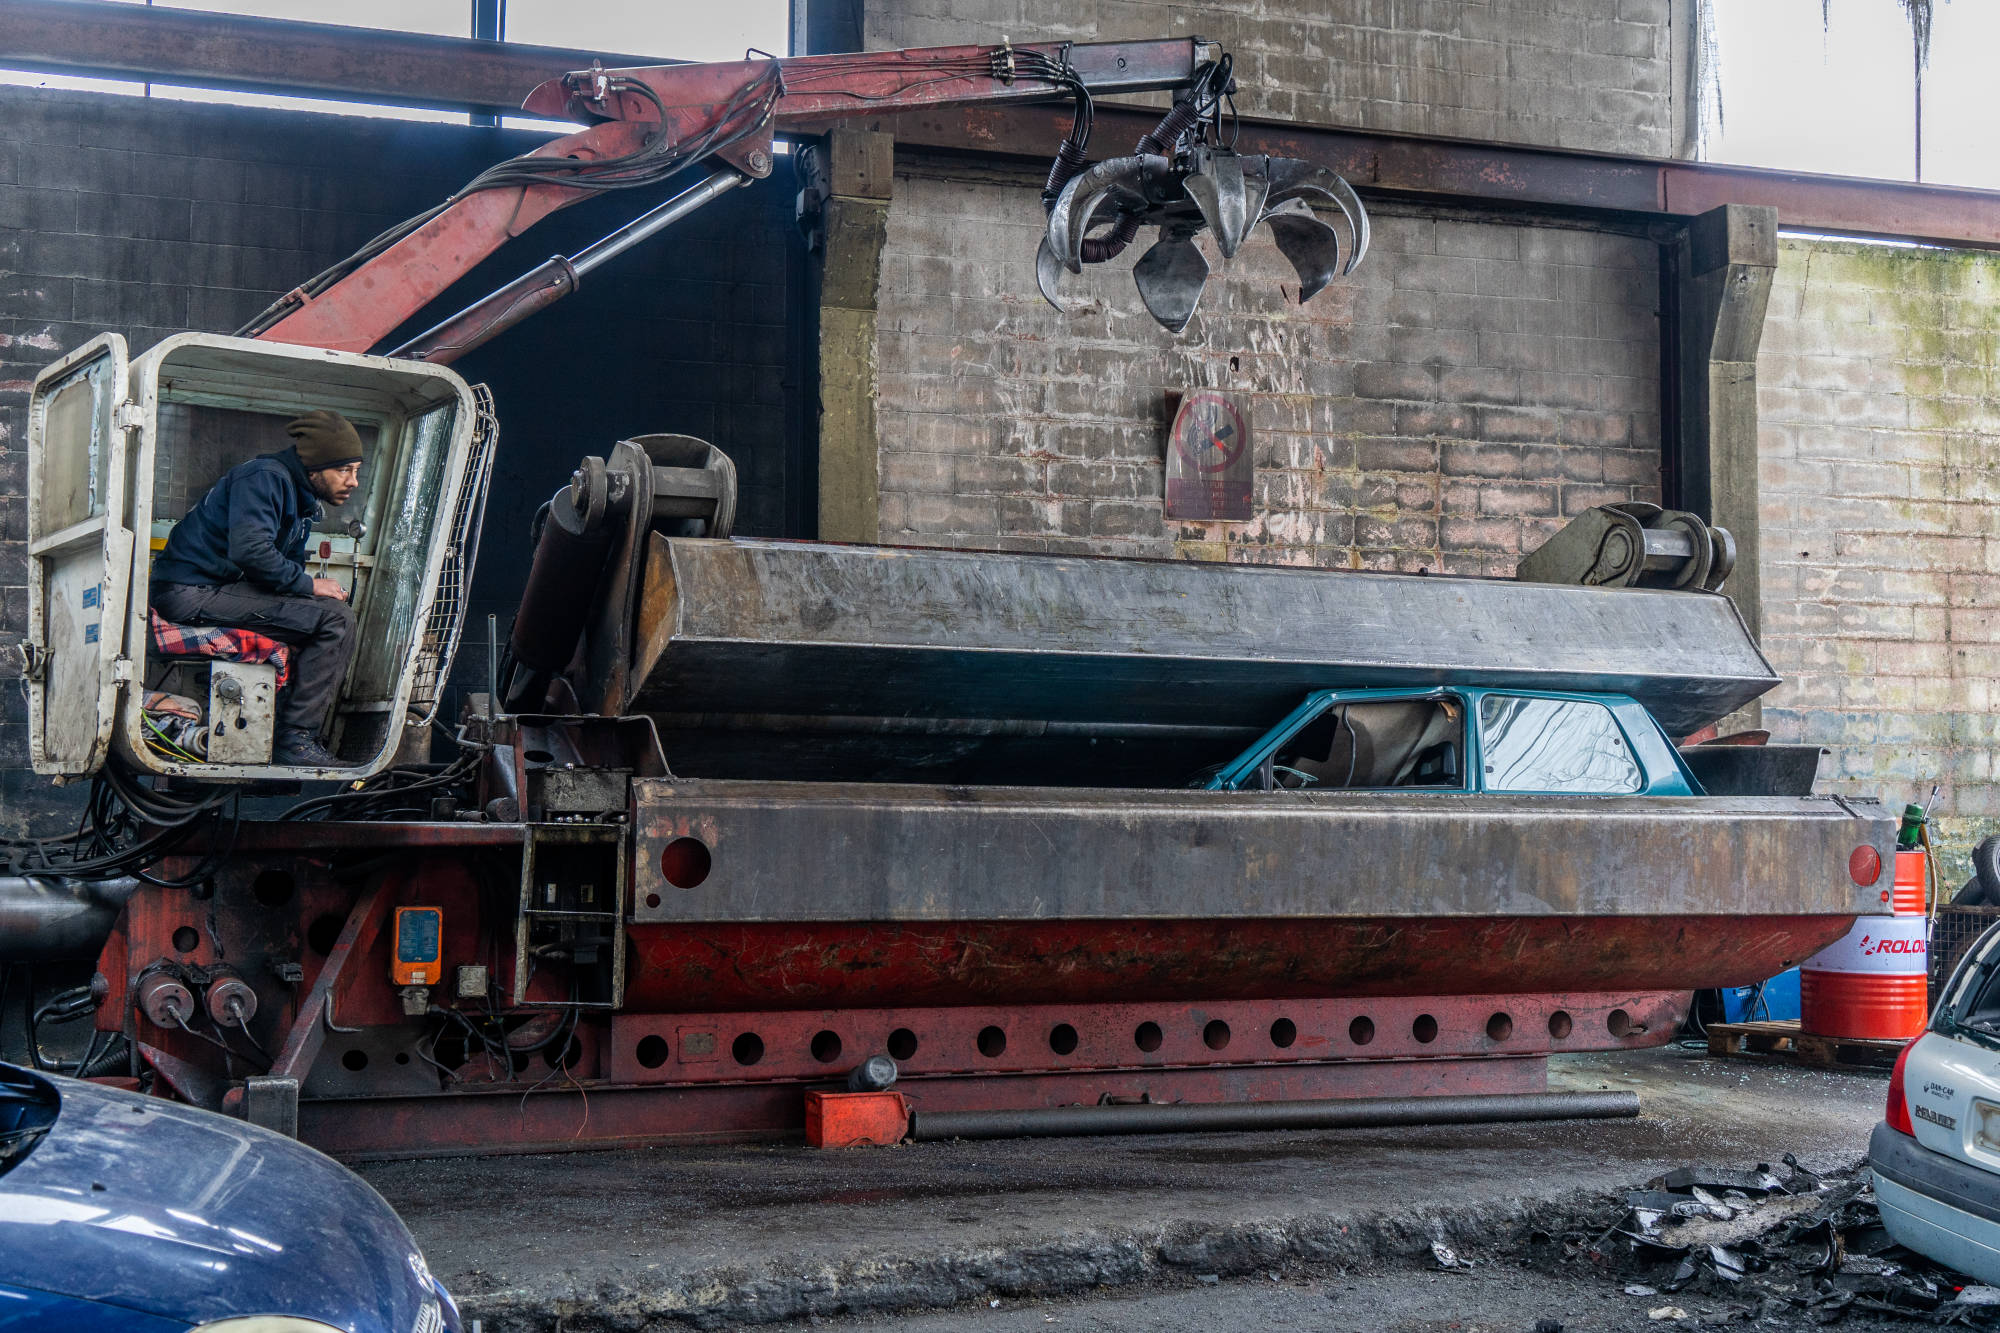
(1782, 1040)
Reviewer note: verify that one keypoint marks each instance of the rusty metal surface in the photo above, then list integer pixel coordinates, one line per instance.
(680, 968)
(335, 835)
(879, 852)
(816, 1045)
(1435, 169)
(558, 1117)
(325, 60)
(316, 1013)
(813, 628)
(274, 55)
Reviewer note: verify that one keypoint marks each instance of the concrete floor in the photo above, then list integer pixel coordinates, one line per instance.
(729, 1235)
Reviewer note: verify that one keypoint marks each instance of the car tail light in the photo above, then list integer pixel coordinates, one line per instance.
(1898, 1110)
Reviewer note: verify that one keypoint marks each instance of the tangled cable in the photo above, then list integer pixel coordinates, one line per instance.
(127, 828)
(746, 111)
(398, 791)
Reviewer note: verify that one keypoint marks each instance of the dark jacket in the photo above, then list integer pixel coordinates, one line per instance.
(252, 526)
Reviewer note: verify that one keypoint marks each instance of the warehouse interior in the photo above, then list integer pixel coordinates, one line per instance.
(943, 749)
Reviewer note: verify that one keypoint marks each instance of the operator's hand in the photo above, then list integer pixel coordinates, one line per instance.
(329, 588)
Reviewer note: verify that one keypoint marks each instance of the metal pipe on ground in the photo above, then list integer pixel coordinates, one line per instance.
(1191, 1118)
(44, 918)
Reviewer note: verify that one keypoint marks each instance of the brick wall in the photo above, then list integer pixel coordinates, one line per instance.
(1565, 73)
(148, 217)
(1879, 397)
(1471, 386)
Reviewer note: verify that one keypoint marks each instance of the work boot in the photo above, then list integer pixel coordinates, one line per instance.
(301, 749)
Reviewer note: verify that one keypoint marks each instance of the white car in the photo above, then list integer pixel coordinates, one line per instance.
(1936, 1155)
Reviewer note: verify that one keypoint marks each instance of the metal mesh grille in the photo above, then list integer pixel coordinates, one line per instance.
(1952, 933)
(448, 605)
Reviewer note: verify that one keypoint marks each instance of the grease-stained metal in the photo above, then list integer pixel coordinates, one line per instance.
(904, 631)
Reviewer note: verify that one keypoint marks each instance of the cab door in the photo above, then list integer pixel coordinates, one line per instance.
(79, 554)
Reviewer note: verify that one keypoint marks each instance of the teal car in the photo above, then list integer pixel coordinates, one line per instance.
(1455, 739)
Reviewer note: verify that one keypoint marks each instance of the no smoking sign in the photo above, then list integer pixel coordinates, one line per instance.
(1210, 469)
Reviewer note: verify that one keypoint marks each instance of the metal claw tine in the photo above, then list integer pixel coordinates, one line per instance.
(1115, 180)
(1312, 246)
(1170, 277)
(1291, 179)
(1218, 189)
(1357, 219)
(1048, 273)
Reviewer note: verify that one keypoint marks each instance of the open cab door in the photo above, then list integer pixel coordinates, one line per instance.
(80, 422)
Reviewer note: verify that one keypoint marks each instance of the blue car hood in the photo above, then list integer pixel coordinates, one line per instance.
(159, 1207)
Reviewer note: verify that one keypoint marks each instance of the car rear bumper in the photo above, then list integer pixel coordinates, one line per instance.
(1937, 1205)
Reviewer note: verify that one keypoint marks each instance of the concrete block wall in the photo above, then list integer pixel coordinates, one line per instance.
(1879, 403)
(147, 217)
(1452, 403)
(1565, 73)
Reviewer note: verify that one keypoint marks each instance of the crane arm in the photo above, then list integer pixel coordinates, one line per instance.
(646, 124)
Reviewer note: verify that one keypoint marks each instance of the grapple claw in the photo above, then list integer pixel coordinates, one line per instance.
(1312, 246)
(1171, 275)
(1200, 187)
(1118, 183)
(1048, 273)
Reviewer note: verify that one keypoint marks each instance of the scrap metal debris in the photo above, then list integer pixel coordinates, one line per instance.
(1783, 1246)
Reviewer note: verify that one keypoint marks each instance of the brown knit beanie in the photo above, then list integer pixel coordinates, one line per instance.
(325, 439)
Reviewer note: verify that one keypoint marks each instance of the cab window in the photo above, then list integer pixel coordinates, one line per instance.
(1554, 745)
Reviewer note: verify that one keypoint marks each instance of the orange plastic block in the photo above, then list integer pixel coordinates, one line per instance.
(856, 1119)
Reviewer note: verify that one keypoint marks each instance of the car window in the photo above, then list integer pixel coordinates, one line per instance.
(1562, 745)
(1378, 743)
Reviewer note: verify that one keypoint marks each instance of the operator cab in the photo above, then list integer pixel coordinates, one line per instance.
(119, 452)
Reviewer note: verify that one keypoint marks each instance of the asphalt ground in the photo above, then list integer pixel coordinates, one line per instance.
(733, 1235)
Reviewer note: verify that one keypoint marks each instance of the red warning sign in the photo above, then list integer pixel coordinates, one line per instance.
(1210, 470)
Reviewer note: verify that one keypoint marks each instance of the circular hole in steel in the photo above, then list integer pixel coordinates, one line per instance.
(1619, 1023)
(1499, 1027)
(565, 1058)
(1560, 1024)
(748, 1048)
(355, 1061)
(652, 900)
(273, 888)
(1864, 865)
(992, 1042)
(652, 1051)
(1283, 1033)
(324, 933)
(1425, 1029)
(1215, 1036)
(402, 1057)
(902, 1044)
(826, 1047)
(185, 938)
(1361, 1031)
(1062, 1039)
(1147, 1036)
(538, 756)
(685, 862)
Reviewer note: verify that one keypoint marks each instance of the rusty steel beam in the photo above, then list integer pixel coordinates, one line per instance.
(328, 60)
(356, 64)
(565, 1117)
(1462, 171)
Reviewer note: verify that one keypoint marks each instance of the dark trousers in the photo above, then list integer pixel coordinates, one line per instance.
(319, 629)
